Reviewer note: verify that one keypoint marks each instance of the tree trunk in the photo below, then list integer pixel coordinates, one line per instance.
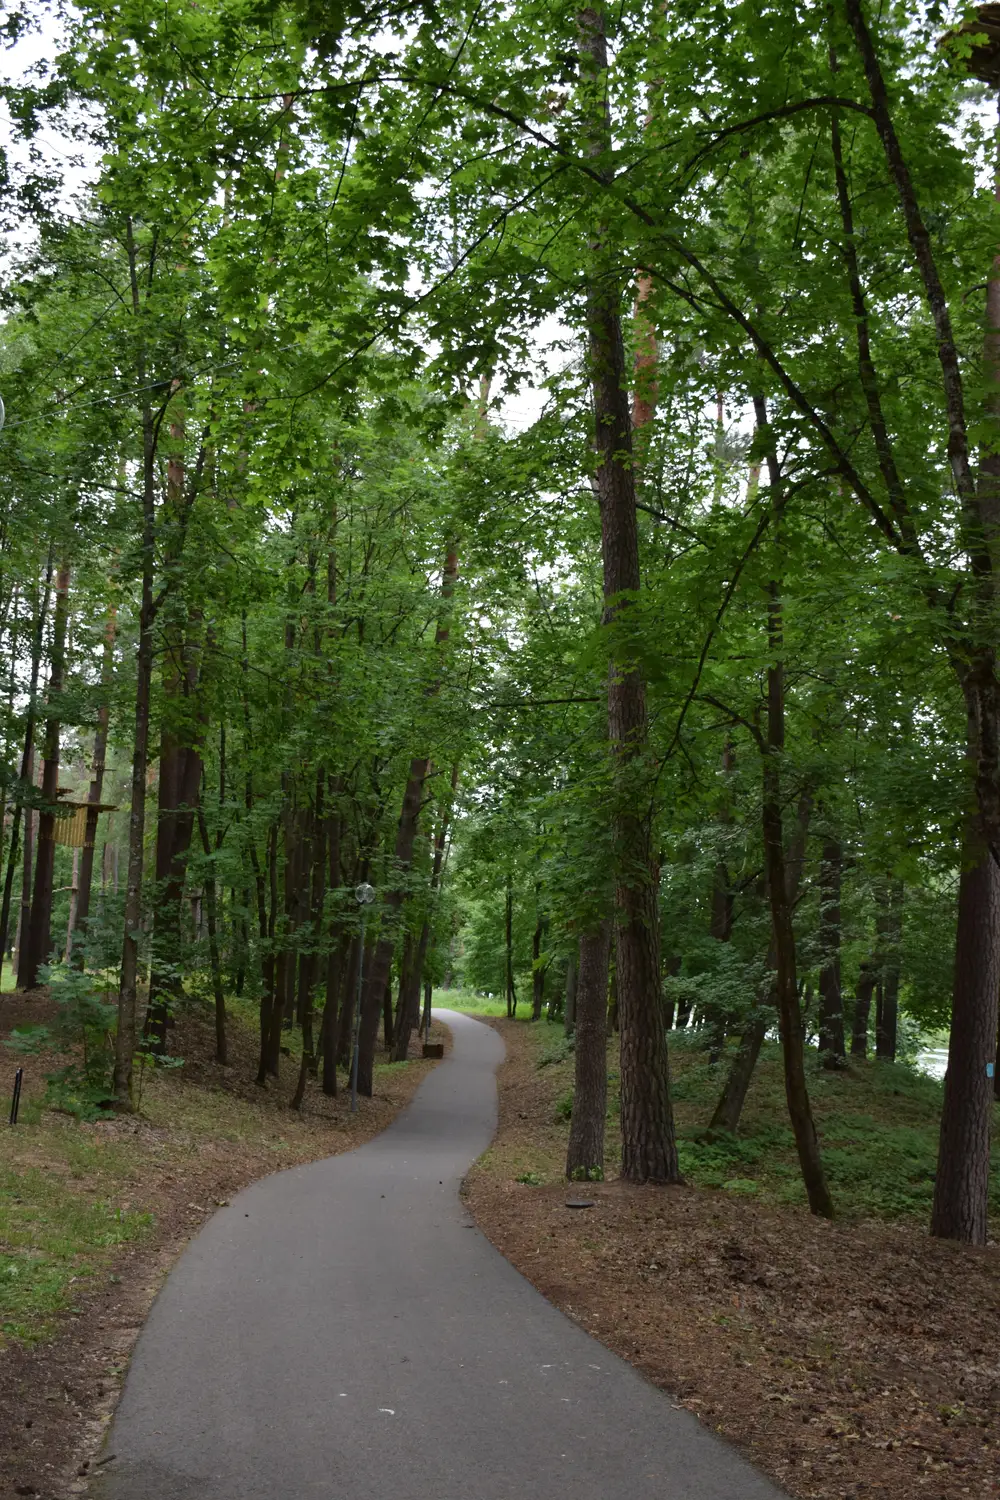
(862, 1010)
(82, 913)
(74, 900)
(729, 1109)
(37, 951)
(410, 1004)
(125, 1037)
(786, 988)
(569, 1011)
(509, 950)
(267, 917)
(537, 971)
(409, 993)
(889, 924)
(585, 1152)
(27, 755)
(335, 965)
(378, 976)
(649, 1151)
(387, 1027)
(22, 946)
(832, 1044)
(347, 1004)
(407, 829)
(221, 1054)
(961, 1187)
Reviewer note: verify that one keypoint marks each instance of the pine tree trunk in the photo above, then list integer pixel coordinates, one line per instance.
(649, 1151)
(832, 1042)
(585, 1152)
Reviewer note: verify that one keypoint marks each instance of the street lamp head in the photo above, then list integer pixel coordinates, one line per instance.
(364, 894)
(2, 413)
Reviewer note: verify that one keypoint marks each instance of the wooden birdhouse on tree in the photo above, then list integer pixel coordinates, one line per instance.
(983, 29)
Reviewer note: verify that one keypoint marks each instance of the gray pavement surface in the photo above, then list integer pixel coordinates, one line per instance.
(343, 1330)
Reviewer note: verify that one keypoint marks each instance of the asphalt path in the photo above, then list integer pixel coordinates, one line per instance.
(342, 1331)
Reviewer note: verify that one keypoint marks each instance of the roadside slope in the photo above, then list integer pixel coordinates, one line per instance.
(847, 1360)
(93, 1214)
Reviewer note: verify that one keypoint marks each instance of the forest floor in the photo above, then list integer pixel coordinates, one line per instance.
(850, 1361)
(93, 1215)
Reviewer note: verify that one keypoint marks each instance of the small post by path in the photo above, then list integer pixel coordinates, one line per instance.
(364, 895)
(15, 1103)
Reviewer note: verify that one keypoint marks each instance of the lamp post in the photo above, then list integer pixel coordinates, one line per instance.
(364, 895)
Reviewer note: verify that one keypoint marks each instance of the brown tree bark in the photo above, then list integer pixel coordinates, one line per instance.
(388, 1030)
(569, 1009)
(729, 1109)
(832, 1042)
(27, 755)
(410, 1002)
(21, 948)
(649, 1151)
(889, 919)
(407, 829)
(221, 1049)
(585, 1152)
(537, 969)
(961, 1186)
(347, 1003)
(125, 1036)
(862, 1010)
(378, 974)
(509, 949)
(86, 879)
(36, 947)
(790, 1025)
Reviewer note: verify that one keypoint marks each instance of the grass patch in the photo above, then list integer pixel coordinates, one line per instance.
(469, 1002)
(877, 1122)
(52, 1235)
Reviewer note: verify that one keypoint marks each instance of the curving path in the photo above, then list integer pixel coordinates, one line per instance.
(342, 1332)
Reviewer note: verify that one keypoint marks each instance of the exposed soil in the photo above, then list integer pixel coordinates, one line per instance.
(57, 1396)
(844, 1360)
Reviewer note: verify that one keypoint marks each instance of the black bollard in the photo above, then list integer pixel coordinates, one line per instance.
(15, 1102)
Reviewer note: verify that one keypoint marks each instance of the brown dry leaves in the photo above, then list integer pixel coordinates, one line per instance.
(846, 1361)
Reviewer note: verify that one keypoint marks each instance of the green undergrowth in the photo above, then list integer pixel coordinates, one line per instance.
(877, 1122)
(469, 1002)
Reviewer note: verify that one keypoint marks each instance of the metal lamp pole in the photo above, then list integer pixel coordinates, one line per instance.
(364, 895)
